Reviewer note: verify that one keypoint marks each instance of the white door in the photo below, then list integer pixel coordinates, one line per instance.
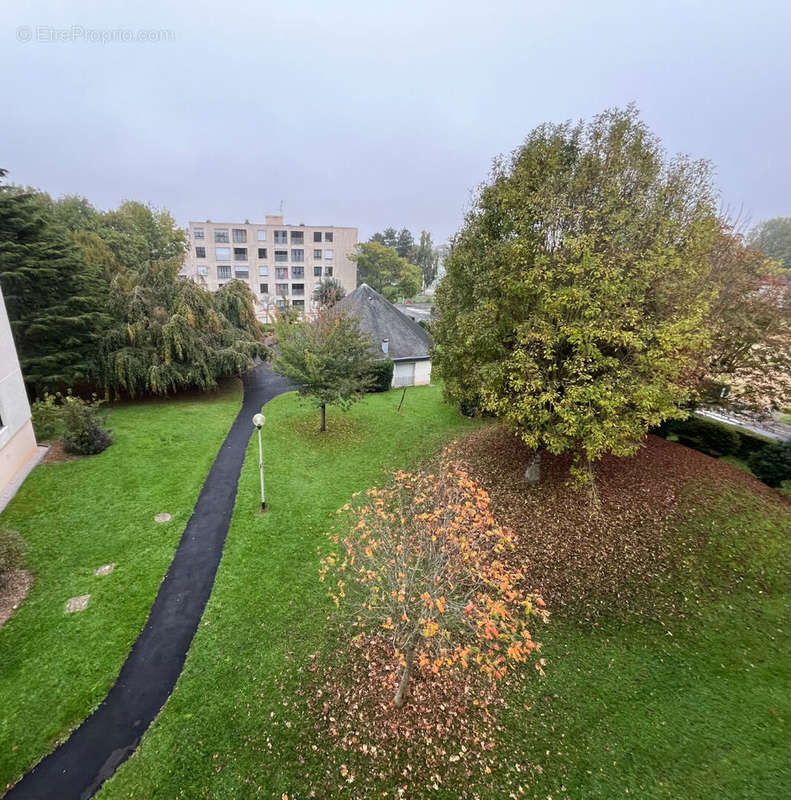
(404, 373)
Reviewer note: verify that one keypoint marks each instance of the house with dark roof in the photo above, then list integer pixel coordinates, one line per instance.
(394, 335)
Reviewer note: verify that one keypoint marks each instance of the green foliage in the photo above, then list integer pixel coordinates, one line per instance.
(381, 375)
(772, 464)
(84, 426)
(707, 437)
(12, 552)
(401, 241)
(576, 293)
(47, 417)
(773, 238)
(328, 292)
(385, 271)
(427, 258)
(329, 359)
(56, 301)
(170, 334)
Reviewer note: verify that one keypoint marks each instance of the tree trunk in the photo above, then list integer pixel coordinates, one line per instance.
(324, 416)
(533, 471)
(400, 695)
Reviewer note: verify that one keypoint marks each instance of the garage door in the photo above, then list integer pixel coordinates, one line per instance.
(404, 373)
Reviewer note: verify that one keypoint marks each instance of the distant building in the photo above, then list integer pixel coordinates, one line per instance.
(281, 263)
(394, 335)
(17, 440)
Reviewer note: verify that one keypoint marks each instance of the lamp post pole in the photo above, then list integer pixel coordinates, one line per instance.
(258, 421)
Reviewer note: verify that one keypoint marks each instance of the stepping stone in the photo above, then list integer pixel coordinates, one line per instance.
(163, 517)
(77, 603)
(105, 569)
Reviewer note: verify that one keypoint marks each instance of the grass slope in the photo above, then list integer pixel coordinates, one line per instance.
(229, 730)
(74, 517)
(690, 701)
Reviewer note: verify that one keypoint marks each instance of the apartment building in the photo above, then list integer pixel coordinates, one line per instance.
(281, 263)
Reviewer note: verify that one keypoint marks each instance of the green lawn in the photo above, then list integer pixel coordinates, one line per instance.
(695, 706)
(74, 517)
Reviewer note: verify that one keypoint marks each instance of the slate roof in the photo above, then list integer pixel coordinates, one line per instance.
(380, 319)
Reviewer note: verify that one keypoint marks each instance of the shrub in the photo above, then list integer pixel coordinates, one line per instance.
(381, 375)
(752, 444)
(772, 464)
(84, 429)
(12, 550)
(705, 436)
(47, 417)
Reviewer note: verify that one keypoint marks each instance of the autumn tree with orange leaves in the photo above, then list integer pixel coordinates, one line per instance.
(421, 567)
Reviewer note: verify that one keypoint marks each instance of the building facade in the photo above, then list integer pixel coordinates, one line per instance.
(281, 263)
(17, 441)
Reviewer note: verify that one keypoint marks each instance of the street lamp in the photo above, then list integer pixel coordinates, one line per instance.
(258, 421)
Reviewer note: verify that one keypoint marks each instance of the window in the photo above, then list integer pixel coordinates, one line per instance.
(281, 237)
(281, 289)
(197, 233)
(297, 272)
(317, 271)
(200, 252)
(281, 255)
(223, 253)
(263, 288)
(240, 254)
(261, 236)
(316, 236)
(203, 269)
(262, 252)
(297, 237)
(328, 255)
(281, 273)
(317, 253)
(242, 272)
(221, 234)
(328, 236)
(280, 303)
(223, 271)
(297, 255)
(298, 304)
(239, 235)
(328, 271)
(298, 289)
(263, 271)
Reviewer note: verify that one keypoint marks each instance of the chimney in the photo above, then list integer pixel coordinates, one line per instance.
(385, 345)
(278, 220)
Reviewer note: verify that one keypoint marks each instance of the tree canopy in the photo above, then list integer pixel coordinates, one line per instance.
(385, 271)
(328, 358)
(328, 291)
(773, 238)
(576, 293)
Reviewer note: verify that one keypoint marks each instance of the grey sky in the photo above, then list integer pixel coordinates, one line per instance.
(373, 112)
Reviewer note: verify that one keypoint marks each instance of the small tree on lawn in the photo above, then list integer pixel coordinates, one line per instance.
(422, 566)
(328, 358)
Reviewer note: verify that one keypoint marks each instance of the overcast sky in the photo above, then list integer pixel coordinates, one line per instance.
(372, 112)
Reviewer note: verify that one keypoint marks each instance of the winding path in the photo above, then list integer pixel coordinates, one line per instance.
(77, 768)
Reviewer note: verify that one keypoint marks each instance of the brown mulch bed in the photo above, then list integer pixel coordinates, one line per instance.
(13, 588)
(57, 455)
(586, 553)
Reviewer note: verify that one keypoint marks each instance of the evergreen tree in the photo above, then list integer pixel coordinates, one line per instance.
(328, 292)
(56, 302)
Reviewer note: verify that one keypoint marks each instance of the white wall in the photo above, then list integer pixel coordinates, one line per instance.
(412, 373)
(17, 442)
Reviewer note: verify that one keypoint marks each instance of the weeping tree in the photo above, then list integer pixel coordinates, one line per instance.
(170, 334)
(328, 358)
(577, 293)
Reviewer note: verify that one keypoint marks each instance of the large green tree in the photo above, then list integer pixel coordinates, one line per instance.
(328, 358)
(56, 301)
(427, 258)
(384, 270)
(575, 302)
(773, 238)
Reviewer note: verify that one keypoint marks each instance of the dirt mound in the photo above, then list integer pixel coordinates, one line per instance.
(584, 556)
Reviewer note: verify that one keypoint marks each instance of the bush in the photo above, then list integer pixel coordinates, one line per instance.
(772, 464)
(83, 423)
(381, 375)
(752, 444)
(702, 435)
(47, 417)
(12, 551)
